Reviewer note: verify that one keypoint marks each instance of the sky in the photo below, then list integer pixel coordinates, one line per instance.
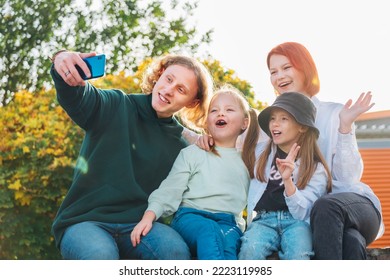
(349, 41)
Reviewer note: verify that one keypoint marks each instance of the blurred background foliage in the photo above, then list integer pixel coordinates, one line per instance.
(39, 144)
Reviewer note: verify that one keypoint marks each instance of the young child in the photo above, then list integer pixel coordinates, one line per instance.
(289, 175)
(207, 189)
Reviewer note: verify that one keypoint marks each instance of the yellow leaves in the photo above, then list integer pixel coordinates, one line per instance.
(223, 75)
(19, 184)
(127, 83)
(15, 185)
(45, 180)
(58, 152)
(20, 194)
(43, 109)
(23, 198)
(60, 162)
(33, 124)
(26, 150)
(58, 110)
(24, 98)
(37, 138)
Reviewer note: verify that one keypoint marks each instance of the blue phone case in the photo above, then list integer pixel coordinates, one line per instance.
(97, 66)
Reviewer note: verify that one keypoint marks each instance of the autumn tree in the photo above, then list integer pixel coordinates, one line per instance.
(223, 75)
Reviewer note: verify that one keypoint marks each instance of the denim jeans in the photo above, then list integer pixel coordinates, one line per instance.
(107, 241)
(210, 236)
(343, 225)
(276, 231)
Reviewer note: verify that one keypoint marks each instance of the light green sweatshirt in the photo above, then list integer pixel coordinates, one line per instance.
(204, 181)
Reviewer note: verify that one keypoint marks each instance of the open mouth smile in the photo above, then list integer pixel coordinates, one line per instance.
(285, 84)
(276, 133)
(163, 99)
(220, 123)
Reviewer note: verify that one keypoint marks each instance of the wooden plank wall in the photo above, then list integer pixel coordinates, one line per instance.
(377, 175)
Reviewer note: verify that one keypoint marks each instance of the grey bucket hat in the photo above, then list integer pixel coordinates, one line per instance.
(297, 104)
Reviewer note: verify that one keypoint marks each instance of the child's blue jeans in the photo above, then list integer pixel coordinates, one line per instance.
(210, 236)
(276, 231)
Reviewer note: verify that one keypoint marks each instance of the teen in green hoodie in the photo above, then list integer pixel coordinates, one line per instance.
(130, 144)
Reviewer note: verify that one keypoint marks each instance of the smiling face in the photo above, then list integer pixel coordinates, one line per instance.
(284, 76)
(176, 88)
(284, 129)
(226, 119)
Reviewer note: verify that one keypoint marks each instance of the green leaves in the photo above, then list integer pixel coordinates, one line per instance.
(38, 149)
(127, 31)
(26, 28)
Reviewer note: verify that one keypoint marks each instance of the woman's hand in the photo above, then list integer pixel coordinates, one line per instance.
(349, 114)
(205, 142)
(65, 65)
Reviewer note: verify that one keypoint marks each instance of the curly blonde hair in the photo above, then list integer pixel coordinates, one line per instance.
(193, 118)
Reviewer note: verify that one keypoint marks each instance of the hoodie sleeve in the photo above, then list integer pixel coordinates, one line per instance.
(86, 105)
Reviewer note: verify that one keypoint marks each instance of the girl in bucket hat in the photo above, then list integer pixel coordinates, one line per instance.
(347, 220)
(290, 174)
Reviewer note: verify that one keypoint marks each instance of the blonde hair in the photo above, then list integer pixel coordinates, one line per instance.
(244, 106)
(194, 117)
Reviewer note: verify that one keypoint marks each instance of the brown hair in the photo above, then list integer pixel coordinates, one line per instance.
(194, 117)
(302, 60)
(309, 154)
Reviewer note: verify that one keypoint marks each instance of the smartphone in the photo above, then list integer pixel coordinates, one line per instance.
(96, 65)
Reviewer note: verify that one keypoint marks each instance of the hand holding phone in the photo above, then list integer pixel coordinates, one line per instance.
(96, 65)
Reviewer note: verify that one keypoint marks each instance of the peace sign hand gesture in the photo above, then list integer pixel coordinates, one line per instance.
(286, 167)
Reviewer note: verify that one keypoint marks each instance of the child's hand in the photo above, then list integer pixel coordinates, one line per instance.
(286, 166)
(142, 228)
(205, 142)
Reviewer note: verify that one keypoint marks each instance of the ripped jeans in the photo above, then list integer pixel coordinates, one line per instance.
(276, 231)
(210, 236)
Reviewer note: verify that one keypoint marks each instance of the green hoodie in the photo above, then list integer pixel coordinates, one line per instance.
(126, 153)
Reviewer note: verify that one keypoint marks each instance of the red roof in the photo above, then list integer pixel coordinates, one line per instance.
(374, 115)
